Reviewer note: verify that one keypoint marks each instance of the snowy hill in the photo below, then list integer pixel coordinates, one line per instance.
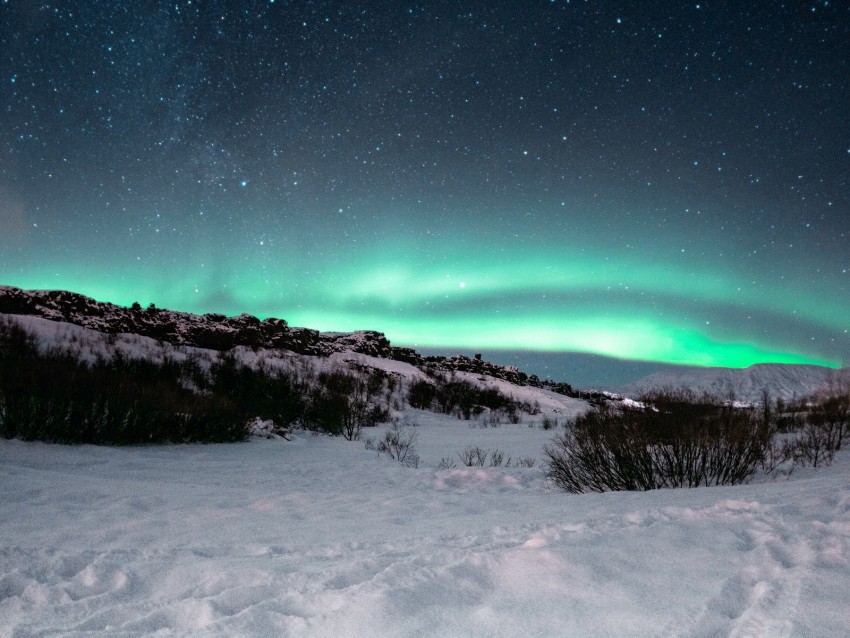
(780, 380)
(319, 536)
(212, 331)
(535, 402)
(220, 333)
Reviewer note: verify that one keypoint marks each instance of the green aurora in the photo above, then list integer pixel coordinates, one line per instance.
(495, 298)
(655, 181)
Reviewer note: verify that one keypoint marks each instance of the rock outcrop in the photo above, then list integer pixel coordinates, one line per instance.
(219, 332)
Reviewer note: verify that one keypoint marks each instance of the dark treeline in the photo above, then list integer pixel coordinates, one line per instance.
(463, 399)
(54, 396)
(174, 397)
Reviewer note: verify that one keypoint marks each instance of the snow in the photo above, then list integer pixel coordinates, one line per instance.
(390, 366)
(89, 345)
(784, 381)
(550, 403)
(319, 536)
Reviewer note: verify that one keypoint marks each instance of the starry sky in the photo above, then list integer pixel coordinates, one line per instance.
(655, 181)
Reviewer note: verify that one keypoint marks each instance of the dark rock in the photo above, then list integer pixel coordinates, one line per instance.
(218, 332)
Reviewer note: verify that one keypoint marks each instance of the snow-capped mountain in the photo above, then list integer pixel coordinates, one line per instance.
(783, 381)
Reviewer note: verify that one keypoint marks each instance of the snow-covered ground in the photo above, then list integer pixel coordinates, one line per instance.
(322, 537)
(784, 381)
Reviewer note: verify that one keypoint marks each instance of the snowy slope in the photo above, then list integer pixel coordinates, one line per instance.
(781, 381)
(90, 344)
(220, 333)
(321, 537)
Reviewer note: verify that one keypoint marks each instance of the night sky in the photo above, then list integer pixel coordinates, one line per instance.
(663, 181)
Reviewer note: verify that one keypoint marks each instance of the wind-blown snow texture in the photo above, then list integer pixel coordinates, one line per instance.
(321, 537)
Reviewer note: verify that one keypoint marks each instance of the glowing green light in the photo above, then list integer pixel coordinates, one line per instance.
(617, 337)
(484, 293)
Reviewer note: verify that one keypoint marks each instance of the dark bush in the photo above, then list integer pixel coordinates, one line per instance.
(258, 392)
(831, 415)
(53, 396)
(823, 429)
(678, 441)
(421, 395)
(341, 404)
(463, 399)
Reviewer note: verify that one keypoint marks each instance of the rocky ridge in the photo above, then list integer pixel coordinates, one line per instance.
(219, 332)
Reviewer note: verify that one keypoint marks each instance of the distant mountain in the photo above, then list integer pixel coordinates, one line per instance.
(783, 381)
(584, 370)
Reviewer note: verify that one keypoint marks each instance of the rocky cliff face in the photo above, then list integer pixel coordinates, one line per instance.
(218, 332)
(213, 331)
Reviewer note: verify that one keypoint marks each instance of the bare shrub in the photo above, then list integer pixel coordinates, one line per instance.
(678, 440)
(497, 458)
(473, 456)
(832, 416)
(821, 423)
(783, 457)
(447, 463)
(398, 444)
(341, 403)
(815, 444)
